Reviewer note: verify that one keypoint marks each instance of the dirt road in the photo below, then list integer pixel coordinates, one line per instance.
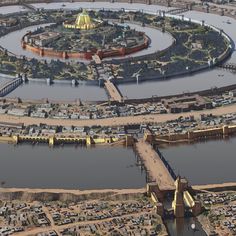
(117, 120)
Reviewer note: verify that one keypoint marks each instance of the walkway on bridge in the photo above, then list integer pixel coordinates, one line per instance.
(10, 86)
(177, 11)
(28, 6)
(113, 92)
(155, 166)
(228, 66)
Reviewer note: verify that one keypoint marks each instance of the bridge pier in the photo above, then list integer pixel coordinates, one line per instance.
(15, 139)
(51, 141)
(225, 130)
(88, 141)
(222, 13)
(129, 140)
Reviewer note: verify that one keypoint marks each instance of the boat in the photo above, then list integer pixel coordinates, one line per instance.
(193, 227)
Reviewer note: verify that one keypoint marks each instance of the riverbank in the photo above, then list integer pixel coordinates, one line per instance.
(27, 194)
(215, 187)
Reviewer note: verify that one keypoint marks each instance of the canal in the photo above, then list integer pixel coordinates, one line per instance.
(204, 162)
(59, 91)
(68, 167)
(182, 227)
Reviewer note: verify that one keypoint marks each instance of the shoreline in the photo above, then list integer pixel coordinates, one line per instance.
(68, 195)
(74, 191)
(14, 193)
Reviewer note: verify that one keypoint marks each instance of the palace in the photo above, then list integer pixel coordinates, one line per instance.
(83, 21)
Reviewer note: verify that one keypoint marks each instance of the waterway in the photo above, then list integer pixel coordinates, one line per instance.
(210, 162)
(62, 92)
(3, 81)
(11, 9)
(190, 83)
(27, 166)
(182, 227)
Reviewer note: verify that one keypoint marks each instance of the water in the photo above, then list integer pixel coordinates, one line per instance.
(68, 167)
(182, 227)
(99, 5)
(210, 162)
(12, 42)
(62, 92)
(4, 80)
(12, 9)
(196, 82)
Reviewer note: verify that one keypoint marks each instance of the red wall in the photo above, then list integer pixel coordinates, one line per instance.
(85, 55)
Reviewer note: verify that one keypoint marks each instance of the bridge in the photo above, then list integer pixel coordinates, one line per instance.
(113, 92)
(228, 66)
(177, 11)
(166, 163)
(28, 6)
(155, 166)
(10, 86)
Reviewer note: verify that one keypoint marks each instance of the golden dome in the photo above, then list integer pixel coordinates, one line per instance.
(83, 21)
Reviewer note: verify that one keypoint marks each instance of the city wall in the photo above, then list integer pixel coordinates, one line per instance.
(83, 55)
(53, 140)
(195, 135)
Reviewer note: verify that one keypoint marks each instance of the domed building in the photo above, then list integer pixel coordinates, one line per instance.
(83, 21)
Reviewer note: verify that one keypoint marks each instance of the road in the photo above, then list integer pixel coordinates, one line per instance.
(113, 91)
(155, 166)
(115, 121)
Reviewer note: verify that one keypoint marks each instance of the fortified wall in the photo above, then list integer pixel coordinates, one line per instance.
(83, 55)
(195, 135)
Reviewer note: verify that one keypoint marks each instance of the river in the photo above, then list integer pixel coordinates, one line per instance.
(182, 227)
(210, 162)
(68, 167)
(59, 91)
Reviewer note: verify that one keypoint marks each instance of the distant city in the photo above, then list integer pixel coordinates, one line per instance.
(117, 117)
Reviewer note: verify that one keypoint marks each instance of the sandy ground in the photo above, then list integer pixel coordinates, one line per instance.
(77, 192)
(215, 186)
(155, 166)
(115, 121)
